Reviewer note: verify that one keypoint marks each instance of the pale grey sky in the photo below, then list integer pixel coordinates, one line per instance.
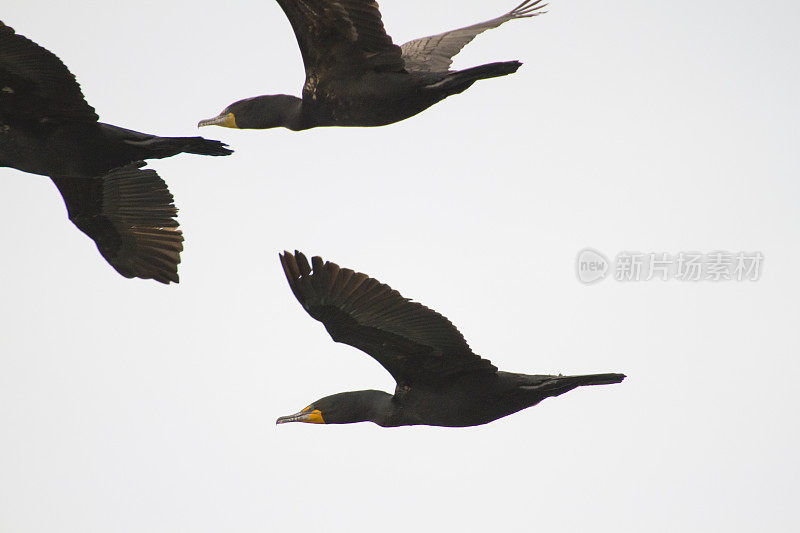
(128, 406)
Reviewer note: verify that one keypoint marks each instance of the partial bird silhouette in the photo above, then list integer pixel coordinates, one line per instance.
(355, 76)
(440, 381)
(48, 128)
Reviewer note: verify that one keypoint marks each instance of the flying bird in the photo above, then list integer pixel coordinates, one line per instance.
(356, 76)
(440, 381)
(48, 128)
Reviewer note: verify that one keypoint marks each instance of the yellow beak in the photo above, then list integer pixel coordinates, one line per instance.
(226, 120)
(309, 417)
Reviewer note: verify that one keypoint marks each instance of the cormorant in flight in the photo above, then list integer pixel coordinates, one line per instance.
(356, 76)
(48, 128)
(440, 382)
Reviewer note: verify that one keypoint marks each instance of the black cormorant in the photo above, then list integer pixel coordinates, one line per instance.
(440, 382)
(48, 128)
(355, 76)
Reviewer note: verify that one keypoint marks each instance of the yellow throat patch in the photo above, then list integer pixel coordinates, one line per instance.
(315, 417)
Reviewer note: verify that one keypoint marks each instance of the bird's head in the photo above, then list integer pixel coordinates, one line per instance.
(259, 112)
(345, 408)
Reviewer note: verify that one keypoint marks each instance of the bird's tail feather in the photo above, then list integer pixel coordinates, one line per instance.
(593, 379)
(461, 80)
(158, 147)
(490, 70)
(556, 385)
(201, 146)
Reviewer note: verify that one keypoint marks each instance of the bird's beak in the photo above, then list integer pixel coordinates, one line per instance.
(226, 120)
(306, 415)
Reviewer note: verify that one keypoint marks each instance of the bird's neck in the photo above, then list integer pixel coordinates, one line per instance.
(271, 111)
(369, 406)
(386, 412)
(294, 117)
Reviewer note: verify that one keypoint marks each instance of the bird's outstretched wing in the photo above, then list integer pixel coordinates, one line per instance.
(435, 53)
(129, 213)
(340, 38)
(414, 343)
(35, 84)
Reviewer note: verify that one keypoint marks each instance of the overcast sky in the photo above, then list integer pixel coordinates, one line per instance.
(129, 406)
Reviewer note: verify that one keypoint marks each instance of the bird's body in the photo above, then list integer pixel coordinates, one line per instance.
(370, 100)
(473, 400)
(464, 401)
(381, 99)
(440, 381)
(48, 128)
(356, 76)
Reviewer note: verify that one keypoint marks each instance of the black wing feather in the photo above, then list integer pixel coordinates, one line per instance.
(35, 84)
(340, 38)
(414, 343)
(435, 53)
(130, 214)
